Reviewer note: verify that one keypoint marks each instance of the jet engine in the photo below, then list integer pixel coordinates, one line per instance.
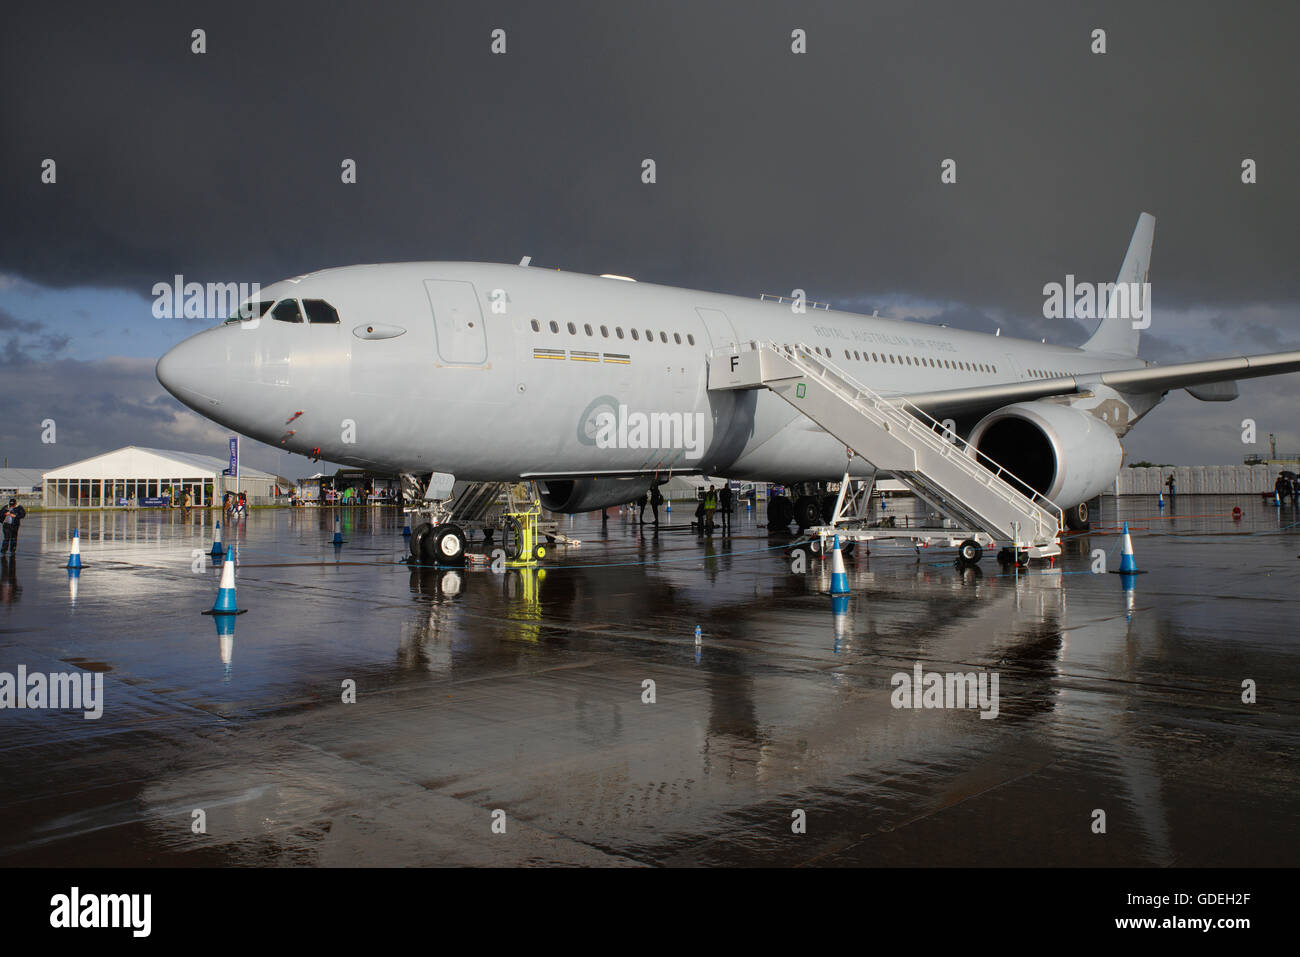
(587, 494)
(1061, 452)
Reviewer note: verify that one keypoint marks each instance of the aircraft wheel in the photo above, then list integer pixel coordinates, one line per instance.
(1022, 559)
(970, 552)
(418, 535)
(445, 546)
(1076, 518)
(807, 512)
(1006, 556)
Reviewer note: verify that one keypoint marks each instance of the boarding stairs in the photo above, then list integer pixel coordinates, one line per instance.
(937, 466)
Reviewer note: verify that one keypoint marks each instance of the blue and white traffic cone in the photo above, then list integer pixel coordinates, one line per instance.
(338, 534)
(1127, 561)
(699, 635)
(225, 603)
(216, 551)
(839, 578)
(668, 505)
(74, 557)
(1277, 498)
(1160, 499)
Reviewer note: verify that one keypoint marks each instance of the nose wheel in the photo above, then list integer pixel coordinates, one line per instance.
(438, 544)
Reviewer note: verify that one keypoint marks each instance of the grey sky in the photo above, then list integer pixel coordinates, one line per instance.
(775, 170)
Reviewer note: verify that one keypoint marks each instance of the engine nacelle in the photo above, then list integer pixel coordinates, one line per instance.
(585, 495)
(1063, 453)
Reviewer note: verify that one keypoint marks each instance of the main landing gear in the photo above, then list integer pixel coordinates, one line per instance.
(813, 505)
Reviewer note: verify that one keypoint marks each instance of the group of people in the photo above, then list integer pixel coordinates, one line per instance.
(235, 504)
(654, 498)
(716, 501)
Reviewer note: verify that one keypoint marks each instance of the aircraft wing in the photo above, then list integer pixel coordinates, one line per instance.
(1205, 380)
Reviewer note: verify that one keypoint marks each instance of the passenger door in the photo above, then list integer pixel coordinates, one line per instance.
(457, 321)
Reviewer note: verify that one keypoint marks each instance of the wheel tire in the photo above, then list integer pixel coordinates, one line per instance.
(807, 512)
(847, 549)
(1022, 559)
(1076, 518)
(445, 546)
(828, 507)
(539, 552)
(512, 537)
(815, 546)
(416, 544)
(1006, 556)
(970, 552)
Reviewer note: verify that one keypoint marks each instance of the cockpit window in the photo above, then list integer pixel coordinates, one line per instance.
(286, 310)
(251, 310)
(318, 310)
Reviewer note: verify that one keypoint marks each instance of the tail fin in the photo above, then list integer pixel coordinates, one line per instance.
(1115, 334)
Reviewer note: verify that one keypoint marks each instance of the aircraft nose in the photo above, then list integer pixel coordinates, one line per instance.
(183, 371)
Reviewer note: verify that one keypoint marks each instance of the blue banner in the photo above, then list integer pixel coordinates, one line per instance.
(233, 471)
(154, 502)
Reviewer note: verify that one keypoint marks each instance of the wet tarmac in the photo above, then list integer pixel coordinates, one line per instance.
(517, 699)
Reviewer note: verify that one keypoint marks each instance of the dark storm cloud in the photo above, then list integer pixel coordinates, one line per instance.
(775, 171)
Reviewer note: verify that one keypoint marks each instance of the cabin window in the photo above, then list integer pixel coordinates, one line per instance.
(663, 337)
(690, 338)
(618, 331)
(604, 331)
(555, 326)
(649, 336)
(573, 330)
(636, 336)
(677, 338)
(318, 310)
(286, 310)
(587, 328)
(536, 327)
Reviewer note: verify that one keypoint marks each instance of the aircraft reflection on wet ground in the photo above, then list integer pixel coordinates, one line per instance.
(527, 692)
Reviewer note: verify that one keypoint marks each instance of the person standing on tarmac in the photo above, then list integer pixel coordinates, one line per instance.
(710, 507)
(656, 499)
(645, 500)
(1173, 487)
(724, 506)
(11, 517)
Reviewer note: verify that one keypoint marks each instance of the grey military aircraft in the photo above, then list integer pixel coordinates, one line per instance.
(596, 387)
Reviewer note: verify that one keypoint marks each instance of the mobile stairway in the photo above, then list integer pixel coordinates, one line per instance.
(984, 504)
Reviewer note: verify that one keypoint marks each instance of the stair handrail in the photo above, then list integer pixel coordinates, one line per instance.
(914, 419)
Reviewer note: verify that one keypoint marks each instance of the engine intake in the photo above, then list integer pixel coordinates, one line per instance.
(1062, 453)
